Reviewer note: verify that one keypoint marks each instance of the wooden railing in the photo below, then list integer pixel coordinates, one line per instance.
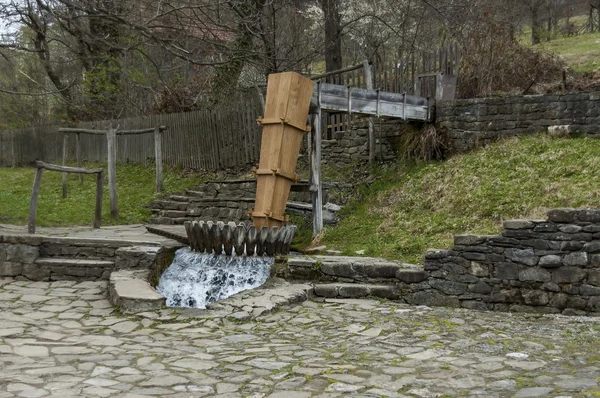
(37, 184)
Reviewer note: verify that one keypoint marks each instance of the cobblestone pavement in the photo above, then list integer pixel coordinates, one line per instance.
(64, 339)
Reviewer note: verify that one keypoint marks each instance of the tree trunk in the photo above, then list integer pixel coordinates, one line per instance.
(333, 35)
(535, 27)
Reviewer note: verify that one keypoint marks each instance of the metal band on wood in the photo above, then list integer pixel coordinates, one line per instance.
(282, 218)
(278, 172)
(287, 122)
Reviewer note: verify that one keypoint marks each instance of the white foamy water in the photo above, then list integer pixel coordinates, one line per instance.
(196, 279)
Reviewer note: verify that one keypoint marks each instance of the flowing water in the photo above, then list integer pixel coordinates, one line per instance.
(196, 279)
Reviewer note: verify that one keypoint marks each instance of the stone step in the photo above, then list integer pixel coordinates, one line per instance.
(356, 290)
(359, 269)
(168, 205)
(60, 268)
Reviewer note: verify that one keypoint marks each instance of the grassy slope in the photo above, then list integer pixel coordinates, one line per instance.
(135, 190)
(408, 210)
(582, 53)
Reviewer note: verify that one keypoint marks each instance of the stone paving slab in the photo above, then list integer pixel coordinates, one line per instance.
(64, 339)
(128, 233)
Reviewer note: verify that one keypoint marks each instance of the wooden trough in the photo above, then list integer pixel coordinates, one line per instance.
(284, 124)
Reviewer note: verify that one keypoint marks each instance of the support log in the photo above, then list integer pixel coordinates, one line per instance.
(369, 84)
(112, 172)
(99, 196)
(78, 154)
(315, 168)
(158, 158)
(64, 162)
(35, 195)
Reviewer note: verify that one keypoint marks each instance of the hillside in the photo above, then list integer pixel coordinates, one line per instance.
(581, 53)
(411, 208)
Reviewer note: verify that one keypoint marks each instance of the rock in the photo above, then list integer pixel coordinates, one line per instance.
(469, 240)
(532, 392)
(480, 288)
(594, 277)
(565, 215)
(534, 275)
(411, 276)
(577, 258)
(523, 256)
(550, 261)
(535, 297)
(332, 207)
(518, 224)
(568, 275)
(448, 287)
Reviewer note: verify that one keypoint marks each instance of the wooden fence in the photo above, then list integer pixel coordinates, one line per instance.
(211, 139)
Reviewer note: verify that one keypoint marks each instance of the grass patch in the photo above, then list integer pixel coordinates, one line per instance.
(410, 208)
(135, 186)
(582, 53)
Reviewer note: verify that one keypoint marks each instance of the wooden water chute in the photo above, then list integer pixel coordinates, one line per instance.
(284, 125)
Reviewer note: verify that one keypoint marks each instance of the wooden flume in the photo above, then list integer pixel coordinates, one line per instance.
(284, 125)
(221, 238)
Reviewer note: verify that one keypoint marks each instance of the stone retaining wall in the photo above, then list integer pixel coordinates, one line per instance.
(476, 122)
(352, 146)
(549, 266)
(52, 258)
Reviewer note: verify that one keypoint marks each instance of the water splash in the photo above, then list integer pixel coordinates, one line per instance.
(196, 279)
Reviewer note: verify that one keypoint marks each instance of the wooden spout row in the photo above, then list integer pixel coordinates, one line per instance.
(238, 238)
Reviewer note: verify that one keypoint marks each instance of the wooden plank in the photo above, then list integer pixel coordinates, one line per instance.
(99, 196)
(66, 169)
(158, 159)
(315, 168)
(35, 196)
(334, 98)
(369, 84)
(64, 162)
(78, 154)
(112, 172)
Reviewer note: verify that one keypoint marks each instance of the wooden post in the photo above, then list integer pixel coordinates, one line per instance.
(112, 172)
(99, 194)
(158, 158)
(369, 82)
(78, 154)
(315, 168)
(64, 162)
(35, 195)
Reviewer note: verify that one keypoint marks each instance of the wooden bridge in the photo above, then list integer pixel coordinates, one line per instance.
(408, 92)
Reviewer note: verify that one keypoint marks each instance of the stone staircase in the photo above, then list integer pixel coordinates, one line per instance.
(355, 277)
(88, 259)
(226, 201)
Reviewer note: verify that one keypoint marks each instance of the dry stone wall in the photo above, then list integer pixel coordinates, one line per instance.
(476, 122)
(43, 258)
(550, 266)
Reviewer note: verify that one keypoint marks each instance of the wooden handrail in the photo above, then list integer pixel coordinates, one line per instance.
(37, 183)
(65, 169)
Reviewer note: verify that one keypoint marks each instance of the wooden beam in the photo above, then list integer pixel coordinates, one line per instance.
(337, 72)
(112, 172)
(99, 195)
(158, 159)
(64, 162)
(78, 154)
(369, 84)
(35, 195)
(81, 131)
(103, 132)
(315, 167)
(65, 169)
